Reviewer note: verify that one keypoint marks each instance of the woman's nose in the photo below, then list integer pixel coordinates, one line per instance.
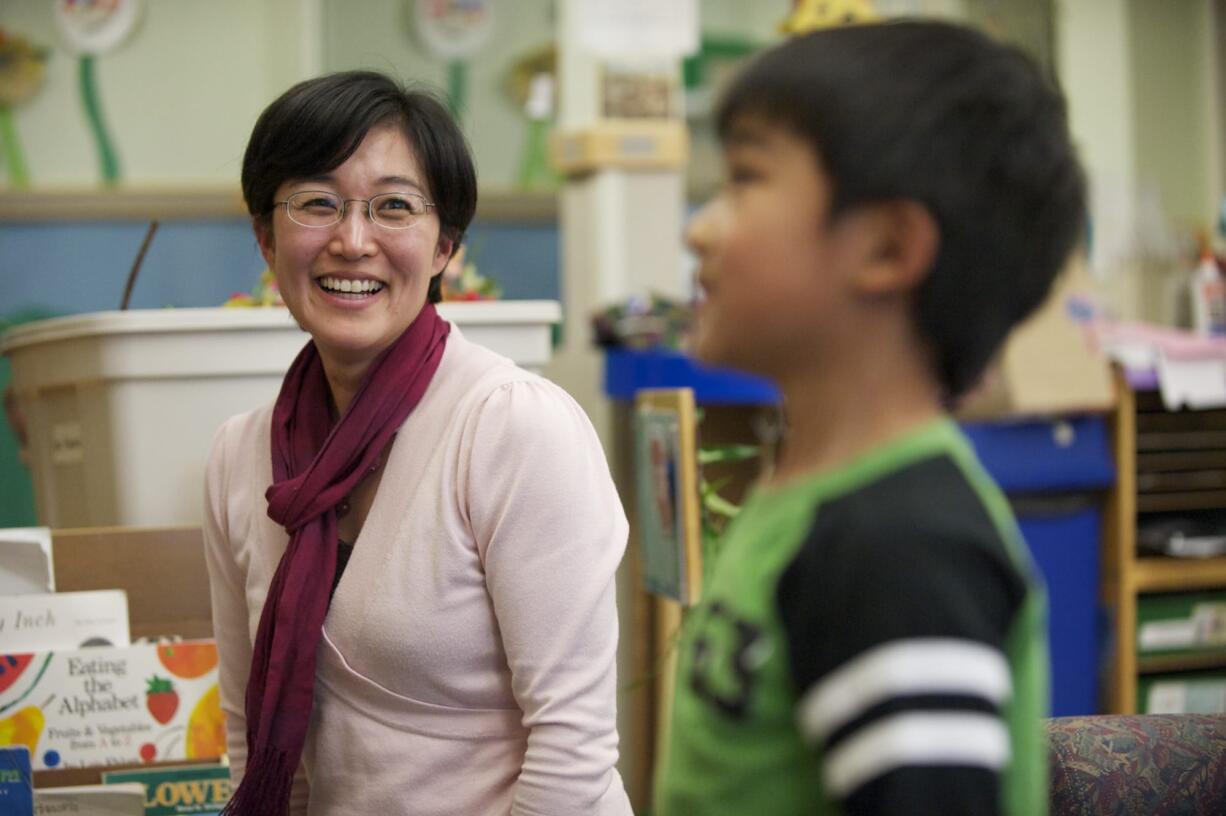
(353, 234)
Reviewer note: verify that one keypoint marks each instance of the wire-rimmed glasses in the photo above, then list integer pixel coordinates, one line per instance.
(317, 208)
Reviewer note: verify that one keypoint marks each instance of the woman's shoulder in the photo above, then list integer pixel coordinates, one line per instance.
(481, 372)
(243, 433)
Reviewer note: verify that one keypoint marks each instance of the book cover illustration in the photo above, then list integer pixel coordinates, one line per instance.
(64, 620)
(92, 707)
(200, 790)
(16, 781)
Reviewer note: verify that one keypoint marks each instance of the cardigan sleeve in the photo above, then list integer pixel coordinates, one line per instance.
(227, 590)
(227, 581)
(551, 531)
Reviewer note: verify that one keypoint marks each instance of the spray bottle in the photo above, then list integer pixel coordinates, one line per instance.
(1208, 297)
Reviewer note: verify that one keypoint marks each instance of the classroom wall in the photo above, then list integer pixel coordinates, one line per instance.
(179, 98)
(1170, 76)
(75, 267)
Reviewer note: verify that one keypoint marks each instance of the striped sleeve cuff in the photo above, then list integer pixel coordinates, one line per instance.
(928, 702)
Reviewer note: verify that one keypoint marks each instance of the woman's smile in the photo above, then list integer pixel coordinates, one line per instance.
(350, 290)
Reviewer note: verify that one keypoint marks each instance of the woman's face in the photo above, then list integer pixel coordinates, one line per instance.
(387, 271)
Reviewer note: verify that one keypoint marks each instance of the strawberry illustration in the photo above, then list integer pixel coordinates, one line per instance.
(161, 699)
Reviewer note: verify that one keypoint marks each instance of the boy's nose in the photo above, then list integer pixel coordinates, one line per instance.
(700, 230)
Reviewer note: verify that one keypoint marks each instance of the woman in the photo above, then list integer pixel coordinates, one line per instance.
(461, 660)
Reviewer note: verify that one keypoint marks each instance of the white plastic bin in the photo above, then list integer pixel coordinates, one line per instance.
(122, 406)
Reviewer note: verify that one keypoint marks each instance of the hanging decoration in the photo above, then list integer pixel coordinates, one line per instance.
(810, 15)
(455, 30)
(21, 75)
(531, 83)
(92, 28)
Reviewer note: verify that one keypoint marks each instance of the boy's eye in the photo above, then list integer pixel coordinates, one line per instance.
(740, 174)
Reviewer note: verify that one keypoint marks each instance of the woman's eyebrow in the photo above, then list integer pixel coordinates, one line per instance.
(403, 180)
(382, 181)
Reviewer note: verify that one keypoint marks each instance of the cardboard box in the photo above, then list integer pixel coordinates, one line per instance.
(161, 568)
(163, 571)
(1048, 365)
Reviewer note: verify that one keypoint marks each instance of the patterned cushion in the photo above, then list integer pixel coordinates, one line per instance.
(1149, 765)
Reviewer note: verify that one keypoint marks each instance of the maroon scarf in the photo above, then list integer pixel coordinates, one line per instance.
(314, 466)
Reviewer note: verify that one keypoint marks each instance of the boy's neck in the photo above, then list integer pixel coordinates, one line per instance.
(841, 412)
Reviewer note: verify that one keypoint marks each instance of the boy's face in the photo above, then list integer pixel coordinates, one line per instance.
(773, 267)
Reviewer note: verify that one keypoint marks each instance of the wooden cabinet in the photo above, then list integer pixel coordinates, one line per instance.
(1170, 462)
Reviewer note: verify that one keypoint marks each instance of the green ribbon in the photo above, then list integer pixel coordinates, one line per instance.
(93, 112)
(14, 160)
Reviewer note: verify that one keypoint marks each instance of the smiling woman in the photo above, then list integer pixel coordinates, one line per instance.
(413, 595)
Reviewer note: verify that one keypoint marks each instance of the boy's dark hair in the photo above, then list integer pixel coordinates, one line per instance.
(318, 124)
(944, 116)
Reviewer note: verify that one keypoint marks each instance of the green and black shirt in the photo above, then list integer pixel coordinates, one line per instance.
(871, 640)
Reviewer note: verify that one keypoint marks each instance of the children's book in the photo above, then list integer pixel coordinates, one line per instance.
(150, 702)
(201, 790)
(90, 800)
(16, 787)
(65, 620)
(25, 561)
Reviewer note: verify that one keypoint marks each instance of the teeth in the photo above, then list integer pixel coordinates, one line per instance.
(344, 285)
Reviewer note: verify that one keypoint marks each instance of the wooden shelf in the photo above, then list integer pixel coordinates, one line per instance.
(220, 202)
(1174, 574)
(1161, 664)
(1180, 501)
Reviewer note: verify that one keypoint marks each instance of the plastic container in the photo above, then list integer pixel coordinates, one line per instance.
(122, 406)
(1054, 472)
(1208, 298)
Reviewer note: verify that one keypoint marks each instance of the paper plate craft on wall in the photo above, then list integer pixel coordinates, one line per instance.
(92, 28)
(21, 75)
(531, 83)
(454, 30)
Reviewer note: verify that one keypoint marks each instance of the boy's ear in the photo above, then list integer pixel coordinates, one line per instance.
(902, 239)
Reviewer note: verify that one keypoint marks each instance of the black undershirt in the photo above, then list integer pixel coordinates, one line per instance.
(343, 550)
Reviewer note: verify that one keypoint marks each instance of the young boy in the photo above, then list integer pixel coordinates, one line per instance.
(872, 638)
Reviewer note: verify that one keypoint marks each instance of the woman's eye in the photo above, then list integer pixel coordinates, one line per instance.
(318, 204)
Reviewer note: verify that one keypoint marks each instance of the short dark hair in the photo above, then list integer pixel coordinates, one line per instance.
(971, 129)
(319, 123)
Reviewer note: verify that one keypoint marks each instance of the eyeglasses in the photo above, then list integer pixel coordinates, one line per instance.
(315, 208)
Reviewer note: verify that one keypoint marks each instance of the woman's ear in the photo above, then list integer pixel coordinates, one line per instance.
(443, 252)
(264, 237)
(903, 240)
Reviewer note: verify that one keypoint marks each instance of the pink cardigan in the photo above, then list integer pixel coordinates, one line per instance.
(468, 659)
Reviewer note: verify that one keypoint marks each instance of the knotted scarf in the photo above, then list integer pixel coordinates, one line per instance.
(315, 465)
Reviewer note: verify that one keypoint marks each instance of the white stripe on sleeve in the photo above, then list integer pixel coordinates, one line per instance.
(916, 739)
(903, 668)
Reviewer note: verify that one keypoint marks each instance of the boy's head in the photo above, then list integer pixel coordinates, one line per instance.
(939, 171)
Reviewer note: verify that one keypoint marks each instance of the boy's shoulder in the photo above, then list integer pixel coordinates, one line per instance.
(934, 497)
(917, 552)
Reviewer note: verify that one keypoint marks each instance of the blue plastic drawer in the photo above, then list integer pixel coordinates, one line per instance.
(627, 371)
(1045, 456)
(1066, 549)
